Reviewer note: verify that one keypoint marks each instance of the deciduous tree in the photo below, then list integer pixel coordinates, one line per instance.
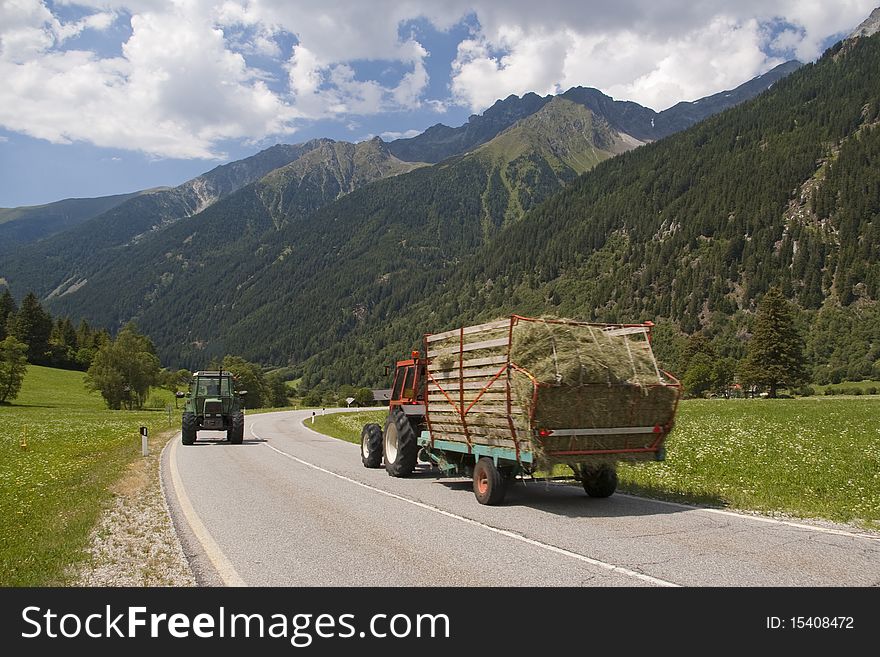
(13, 365)
(124, 370)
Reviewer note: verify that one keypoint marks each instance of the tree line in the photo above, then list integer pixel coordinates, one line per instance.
(123, 369)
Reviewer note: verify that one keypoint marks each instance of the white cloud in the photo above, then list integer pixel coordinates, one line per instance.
(392, 135)
(656, 53)
(187, 77)
(175, 92)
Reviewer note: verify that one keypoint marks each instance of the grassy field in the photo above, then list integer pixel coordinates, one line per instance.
(52, 491)
(346, 426)
(810, 457)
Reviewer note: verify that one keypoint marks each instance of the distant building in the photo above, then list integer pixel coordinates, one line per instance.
(382, 397)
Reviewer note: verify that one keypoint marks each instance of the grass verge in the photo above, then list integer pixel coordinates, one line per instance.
(807, 457)
(346, 426)
(52, 490)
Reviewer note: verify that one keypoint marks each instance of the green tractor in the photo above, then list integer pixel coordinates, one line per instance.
(214, 404)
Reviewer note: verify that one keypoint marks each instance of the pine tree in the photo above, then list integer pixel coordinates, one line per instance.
(33, 326)
(7, 310)
(776, 351)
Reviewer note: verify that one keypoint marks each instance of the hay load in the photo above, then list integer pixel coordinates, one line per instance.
(593, 390)
(569, 375)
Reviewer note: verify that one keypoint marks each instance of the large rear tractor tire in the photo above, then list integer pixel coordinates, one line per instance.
(490, 485)
(235, 433)
(600, 482)
(188, 429)
(399, 446)
(371, 446)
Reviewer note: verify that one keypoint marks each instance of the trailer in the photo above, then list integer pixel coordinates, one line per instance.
(521, 395)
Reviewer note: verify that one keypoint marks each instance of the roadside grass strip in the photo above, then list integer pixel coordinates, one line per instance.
(346, 426)
(60, 450)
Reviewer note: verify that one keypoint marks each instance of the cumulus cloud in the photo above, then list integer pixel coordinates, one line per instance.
(656, 53)
(175, 91)
(391, 135)
(194, 73)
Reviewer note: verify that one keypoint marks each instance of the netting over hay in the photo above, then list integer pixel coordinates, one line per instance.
(588, 378)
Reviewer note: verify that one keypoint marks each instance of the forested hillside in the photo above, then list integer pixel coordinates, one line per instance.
(65, 261)
(690, 231)
(31, 223)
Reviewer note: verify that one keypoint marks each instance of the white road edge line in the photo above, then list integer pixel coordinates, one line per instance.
(747, 516)
(503, 532)
(218, 559)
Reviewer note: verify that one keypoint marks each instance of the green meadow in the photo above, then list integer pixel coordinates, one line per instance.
(60, 449)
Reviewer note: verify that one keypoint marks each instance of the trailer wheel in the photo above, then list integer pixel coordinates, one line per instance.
(600, 482)
(188, 429)
(371, 446)
(489, 484)
(400, 447)
(235, 433)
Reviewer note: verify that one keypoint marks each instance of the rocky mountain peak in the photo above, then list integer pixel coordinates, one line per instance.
(870, 26)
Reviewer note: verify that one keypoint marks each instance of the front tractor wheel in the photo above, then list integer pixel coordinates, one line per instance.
(399, 444)
(188, 429)
(599, 482)
(490, 485)
(235, 433)
(371, 446)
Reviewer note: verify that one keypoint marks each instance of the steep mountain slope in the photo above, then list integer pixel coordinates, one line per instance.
(326, 173)
(782, 190)
(306, 176)
(869, 27)
(299, 250)
(199, 293)
(204, 259)
(61, 262)
(440, 142)
(26, 224)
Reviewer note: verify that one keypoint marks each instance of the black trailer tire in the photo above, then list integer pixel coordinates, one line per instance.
(188, 429)
(400, 449)
(600, 482)
(490, 484)
(235, 433)
(371, 446)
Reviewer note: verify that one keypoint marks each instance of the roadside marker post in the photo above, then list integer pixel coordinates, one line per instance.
(145, 448)
(313, 417)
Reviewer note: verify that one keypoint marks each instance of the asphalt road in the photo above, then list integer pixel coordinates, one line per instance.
(291, 507)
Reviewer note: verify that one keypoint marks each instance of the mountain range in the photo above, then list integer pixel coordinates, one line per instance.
(332, 258)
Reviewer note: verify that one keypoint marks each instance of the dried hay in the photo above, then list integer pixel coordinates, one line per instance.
(588, 379)
(576, 355)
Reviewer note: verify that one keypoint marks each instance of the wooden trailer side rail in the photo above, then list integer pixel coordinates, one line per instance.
(482, 386)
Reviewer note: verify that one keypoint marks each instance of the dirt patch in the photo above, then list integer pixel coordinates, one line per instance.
(134, 542)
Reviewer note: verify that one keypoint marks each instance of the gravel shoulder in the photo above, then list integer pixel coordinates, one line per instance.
(134, 542)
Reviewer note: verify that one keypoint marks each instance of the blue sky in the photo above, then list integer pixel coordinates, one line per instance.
(109, 96)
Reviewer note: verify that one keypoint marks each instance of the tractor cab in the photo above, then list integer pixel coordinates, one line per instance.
(408, 388)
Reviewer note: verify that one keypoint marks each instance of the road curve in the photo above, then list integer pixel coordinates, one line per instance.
(291, 507)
